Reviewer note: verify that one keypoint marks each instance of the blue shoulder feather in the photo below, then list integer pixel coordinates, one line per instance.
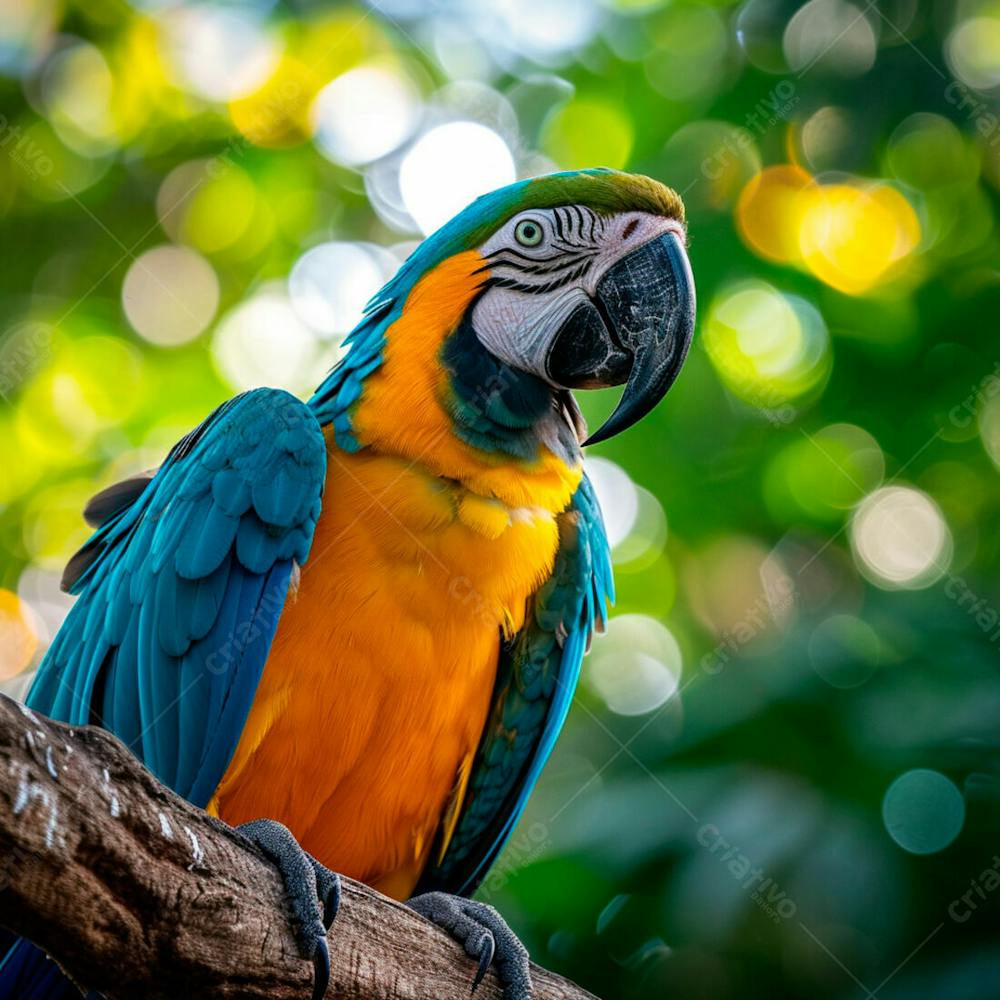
(181, 590)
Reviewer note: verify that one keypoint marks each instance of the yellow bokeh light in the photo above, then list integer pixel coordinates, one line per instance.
(215, 206)
(220, 210)
(18, 635)
(852, 236)
(142, 84)
(768, 348)
(52, 418)
(90, 384)
(277, 115)
(768, 212)
(16, 475)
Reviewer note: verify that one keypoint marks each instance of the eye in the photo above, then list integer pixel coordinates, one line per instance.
(528, 233)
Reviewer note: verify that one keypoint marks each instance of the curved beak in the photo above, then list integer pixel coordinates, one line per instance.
(636, 329)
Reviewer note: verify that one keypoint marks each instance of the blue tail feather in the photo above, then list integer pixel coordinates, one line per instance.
(27, 973)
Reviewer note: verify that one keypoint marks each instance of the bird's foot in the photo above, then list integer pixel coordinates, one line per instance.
(311, 890)
(484, 935)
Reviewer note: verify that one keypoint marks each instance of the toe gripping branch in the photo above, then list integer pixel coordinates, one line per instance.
(311, 890)
(484, 935)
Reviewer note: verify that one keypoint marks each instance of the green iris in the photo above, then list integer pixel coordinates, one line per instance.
(528, 233)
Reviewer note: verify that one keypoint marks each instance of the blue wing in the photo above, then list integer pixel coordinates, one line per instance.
(182, 586)
(536, 678)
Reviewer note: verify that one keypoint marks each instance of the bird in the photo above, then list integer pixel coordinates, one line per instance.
(351, 627)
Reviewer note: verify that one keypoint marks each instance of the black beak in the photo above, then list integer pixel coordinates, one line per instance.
(637, 330)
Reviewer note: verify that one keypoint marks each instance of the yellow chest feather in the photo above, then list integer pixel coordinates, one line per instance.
(378, 684)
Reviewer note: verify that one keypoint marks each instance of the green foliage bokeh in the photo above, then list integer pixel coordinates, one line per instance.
(814, 811)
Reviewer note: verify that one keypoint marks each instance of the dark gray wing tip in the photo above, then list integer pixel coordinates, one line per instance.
(104, 505)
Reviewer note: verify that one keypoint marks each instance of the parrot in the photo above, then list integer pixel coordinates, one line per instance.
(351, 628)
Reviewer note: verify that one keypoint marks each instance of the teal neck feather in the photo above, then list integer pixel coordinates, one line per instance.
(498, 408)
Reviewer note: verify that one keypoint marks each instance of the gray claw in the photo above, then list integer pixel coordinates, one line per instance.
(307, 883)
(328, 890)
(486, 954)
(484, 935)
(321, 969)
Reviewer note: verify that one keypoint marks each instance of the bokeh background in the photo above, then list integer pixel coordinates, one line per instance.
(780, 778)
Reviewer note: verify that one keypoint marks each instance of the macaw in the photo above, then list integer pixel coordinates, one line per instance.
(363, 617)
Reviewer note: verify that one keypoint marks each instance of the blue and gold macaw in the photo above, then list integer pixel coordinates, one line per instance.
(363, 617)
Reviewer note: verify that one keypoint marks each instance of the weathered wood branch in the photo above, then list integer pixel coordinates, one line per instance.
(137, 894)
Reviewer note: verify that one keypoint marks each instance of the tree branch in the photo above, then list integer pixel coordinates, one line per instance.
(137, 894)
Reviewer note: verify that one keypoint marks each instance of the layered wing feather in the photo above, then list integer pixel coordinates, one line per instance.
(181, 588)
(536, 678)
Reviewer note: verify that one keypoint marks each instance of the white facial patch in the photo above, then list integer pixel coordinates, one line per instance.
(542, 264)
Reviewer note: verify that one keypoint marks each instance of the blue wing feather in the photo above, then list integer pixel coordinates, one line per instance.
(536, 679)
(181, 591)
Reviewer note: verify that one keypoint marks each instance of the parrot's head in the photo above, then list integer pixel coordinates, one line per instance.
(586, 284)
(574, 280)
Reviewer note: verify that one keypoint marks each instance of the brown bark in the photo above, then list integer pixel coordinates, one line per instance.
(136, 894)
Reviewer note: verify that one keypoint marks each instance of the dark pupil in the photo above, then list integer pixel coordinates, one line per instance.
(528, 232)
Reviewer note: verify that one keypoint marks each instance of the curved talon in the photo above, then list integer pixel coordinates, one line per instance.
(486, 953)
(321, 969)
(328, 890)
(484, 935)
(331, 905)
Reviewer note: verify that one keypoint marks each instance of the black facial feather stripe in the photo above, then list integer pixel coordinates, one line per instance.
(516, 253)
(546, 265)
(580, 223)
(549, 286)
(568, 270)
(576, 248)
(574, 261)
